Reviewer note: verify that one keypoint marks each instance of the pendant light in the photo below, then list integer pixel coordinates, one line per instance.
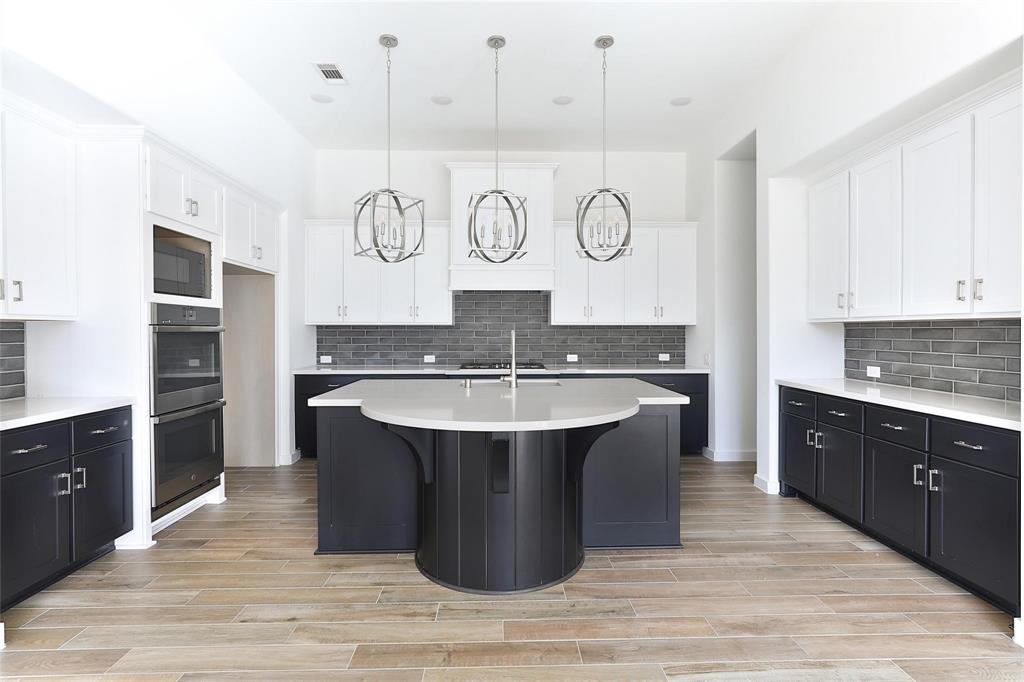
(388, 224)
(497, 217)
(604, 224)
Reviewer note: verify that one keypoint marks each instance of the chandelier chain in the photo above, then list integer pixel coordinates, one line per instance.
(604, 117)
(496, 118)
(388, 63)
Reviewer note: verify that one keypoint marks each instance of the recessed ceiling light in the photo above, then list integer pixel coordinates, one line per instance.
(443, 100)
(321, 98)
(680, 101)
(562, 100)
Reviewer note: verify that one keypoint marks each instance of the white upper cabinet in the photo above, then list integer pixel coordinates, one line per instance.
(433, 299)
(937, 220)
(828, 218)
(182, 190)
(361, 278)
(238, 225)
(265, 228)
(205, 191)
(607, 291)
(997, 205)
(38, 261)
(875, 237)
(570, 298)
(641, 273)
(323, 273)
(397, 291)
(677, 275)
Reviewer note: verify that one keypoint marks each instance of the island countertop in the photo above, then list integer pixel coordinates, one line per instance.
(536, 405)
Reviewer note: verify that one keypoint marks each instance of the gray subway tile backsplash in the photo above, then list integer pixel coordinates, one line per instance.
(12, 360)
(969, 357)
(480, 331)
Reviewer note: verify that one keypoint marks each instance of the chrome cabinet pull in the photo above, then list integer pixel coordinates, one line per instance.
(591, 311)
(840, 303)
(34, 448)
(655, 311)
(960, 284)
(20, 296)
(339, 311)
(849, 299)
(661, 311)
(417, 311)
(252, 250)
(894, 427)
(977, 289)
(333, 385)
(188, 207)
(918, 481)
(808, 436)
(63, 491)
(108, 429)
(2, 293)
(259, 252)
(838, 414)
(969, 446)
(819, 440)
(195, 208)
(80, 470)
(584, 311)
(410, 311)
(797, 403)
(344, 311)
(931, 480)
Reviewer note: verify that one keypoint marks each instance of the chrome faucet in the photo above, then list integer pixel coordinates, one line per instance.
(513, 378)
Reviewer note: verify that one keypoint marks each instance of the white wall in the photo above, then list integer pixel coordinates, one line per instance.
(656, 181)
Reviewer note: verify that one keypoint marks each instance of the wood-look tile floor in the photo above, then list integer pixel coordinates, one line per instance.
(766, 588)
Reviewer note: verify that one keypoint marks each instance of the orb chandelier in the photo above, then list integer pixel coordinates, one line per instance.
(604, 223)
(388, 224)
(497, 217)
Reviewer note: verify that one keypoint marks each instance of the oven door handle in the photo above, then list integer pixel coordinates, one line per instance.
(184, 414)
(184, 328)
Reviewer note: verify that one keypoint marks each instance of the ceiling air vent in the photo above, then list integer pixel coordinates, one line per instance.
(330, 73)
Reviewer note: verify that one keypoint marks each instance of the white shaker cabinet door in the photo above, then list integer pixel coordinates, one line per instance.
(607, 286)
(323, 274)
(997, 205)
(361, 288)
(937, 220)
(875, 236)
(265, 221)
(238, 219)
(205, 191)
(570, 303)
(828, 218)
(677, 275)
(167, 184)
(641, 273)
(397, 291)
(433, 298)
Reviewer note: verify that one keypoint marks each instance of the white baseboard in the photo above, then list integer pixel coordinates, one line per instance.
(133, 545)
(730, 455)
(766, 486)
(215, 496)
(1018, 631)
(289, 459)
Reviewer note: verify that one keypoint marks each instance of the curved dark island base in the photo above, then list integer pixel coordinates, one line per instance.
(501, 512)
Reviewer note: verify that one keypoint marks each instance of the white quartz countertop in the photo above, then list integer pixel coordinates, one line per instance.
(556, 368)
(30, 411)
(536, 405)
(1004, 414)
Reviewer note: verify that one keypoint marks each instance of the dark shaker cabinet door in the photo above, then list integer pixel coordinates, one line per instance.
(34, 522)
(975, 526)
(101, 497)
(841, 471)
(798, 453)
(895, 494)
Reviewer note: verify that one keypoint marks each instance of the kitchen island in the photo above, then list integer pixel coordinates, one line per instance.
(496, 474)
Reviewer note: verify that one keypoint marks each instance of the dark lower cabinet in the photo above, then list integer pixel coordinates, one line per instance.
(34, 520)
(101, 497)
(974, 526)
(895, 496)
(840, 469)
(797, 440)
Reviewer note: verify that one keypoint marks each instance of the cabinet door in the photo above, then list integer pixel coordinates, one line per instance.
(168, 184)
(537, 185)
(875, 236)
(323, 274)
(361, 289)
(642, 278)
(677, 275)
(828, 247)
(40, 257)
(840, 471)
(205, 191)
(895, 498)
(398, 292)
(937, 220)
(974, 526)
(433, 298)
(101, 498)
(238, 219)
(570, 300)
(464, 183)
(34, 523)
(607, 292)
(265, 236)
(798, 453)
(997, 205)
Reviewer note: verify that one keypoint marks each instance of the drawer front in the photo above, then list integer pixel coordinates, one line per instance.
(98, 430)
(902, 428)
(315, 385)
(979, 446)
(680, 383)
(26, 448)
(797, 402)
(842, 413)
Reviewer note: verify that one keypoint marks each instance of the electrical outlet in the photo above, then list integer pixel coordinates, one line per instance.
(429, 359)
(572, 357)
(664, 357)
(193, 362)
(874, 372)
(325, 359)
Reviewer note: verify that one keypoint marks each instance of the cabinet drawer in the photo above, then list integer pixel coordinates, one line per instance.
(101, 429)
(842, 413)
(680, 383)
(797, 402)
(26, 448)
(979, 446)
(312, 385)
(898, 427)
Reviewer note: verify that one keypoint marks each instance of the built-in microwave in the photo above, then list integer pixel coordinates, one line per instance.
(181, 264)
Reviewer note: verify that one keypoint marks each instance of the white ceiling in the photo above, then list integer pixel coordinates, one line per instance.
(702, 50)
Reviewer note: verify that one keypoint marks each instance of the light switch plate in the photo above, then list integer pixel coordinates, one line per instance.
(429, 359)
(874, 372)
(664, 357)
(572, 357)
(325, 359)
